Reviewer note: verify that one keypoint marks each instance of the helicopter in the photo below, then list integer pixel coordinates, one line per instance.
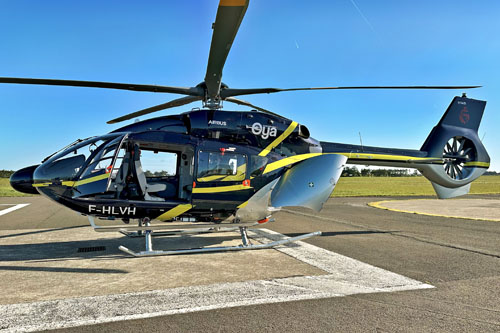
(230, 169)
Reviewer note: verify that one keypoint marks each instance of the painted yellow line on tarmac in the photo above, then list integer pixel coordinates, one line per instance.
(380, 205)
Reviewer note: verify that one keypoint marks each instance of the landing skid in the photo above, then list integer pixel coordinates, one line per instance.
(246, 245)
(146, 230)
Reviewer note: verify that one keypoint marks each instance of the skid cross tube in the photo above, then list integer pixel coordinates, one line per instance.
(146, 230)
(244, 237)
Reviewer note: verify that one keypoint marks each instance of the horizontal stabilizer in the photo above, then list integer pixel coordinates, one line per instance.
(447, 193)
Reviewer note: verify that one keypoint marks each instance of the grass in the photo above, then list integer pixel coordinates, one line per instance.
(360, 186)
(7, 191)
(404, 186)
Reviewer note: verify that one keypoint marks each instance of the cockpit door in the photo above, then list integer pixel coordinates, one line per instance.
(100, 172)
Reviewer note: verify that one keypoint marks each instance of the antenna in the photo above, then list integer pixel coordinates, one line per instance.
(361, 141)
(482, 139)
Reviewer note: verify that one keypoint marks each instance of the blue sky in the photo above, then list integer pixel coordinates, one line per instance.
(280, 44)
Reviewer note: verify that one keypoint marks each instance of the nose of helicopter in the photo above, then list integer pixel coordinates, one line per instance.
(22, 180)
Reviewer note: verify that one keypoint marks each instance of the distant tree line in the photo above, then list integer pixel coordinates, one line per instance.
(354, 172)
(348, 172)
(156, 173)
(6, 173)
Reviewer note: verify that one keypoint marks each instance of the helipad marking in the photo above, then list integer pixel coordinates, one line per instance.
(11, 209)
(379, 204)
(346, 276)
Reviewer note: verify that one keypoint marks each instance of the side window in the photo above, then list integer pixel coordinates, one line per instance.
(216, 166)
(158, 163)
(258, 165)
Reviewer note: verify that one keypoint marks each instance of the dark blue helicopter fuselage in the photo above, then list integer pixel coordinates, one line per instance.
(256, 139)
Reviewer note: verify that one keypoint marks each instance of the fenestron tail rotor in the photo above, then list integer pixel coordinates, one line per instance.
(457, 152)
(211, 91)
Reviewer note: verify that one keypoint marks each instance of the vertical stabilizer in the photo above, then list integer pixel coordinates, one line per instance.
(455, 140)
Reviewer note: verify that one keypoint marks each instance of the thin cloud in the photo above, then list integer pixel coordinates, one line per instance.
(362, 15)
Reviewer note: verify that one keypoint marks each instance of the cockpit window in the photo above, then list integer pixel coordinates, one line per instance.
(102, 162)
(219, 166)
(69, 163)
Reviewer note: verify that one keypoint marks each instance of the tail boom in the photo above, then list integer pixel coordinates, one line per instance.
(451, 157)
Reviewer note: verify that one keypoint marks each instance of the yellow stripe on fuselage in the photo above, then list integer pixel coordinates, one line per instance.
(91, 179)
(76, 183)
(240, 175)
(219, 189)
(210, 178)
(174, 212)
(279, 139)
(287, 161)
(358, 156)
(396, 158)
(243, 205)
(479, 164)
(41, 184)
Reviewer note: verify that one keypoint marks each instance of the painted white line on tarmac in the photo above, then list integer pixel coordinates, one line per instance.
(346, 276)
(11, 209)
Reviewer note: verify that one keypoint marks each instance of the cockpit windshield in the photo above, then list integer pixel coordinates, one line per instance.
(102, 161)
(69, 164)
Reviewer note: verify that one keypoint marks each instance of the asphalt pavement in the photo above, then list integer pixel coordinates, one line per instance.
(459, 257)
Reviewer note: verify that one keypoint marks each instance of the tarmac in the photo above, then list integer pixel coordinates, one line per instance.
(372, 269)
(473, 209)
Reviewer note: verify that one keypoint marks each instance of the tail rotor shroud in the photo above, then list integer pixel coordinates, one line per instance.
(457, 152)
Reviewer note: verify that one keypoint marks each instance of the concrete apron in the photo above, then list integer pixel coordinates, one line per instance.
(47, 283)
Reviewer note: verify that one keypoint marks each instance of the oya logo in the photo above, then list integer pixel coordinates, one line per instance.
(264, 131)
(464, 116)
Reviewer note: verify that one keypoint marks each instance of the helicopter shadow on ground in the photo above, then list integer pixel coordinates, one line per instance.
(63, 270)
(99, 248)
(40, 231)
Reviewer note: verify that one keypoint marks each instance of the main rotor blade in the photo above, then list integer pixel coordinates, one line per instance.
(229, 16)
(193, 91)
(171, 104)
(241, 102)
(228, 92)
